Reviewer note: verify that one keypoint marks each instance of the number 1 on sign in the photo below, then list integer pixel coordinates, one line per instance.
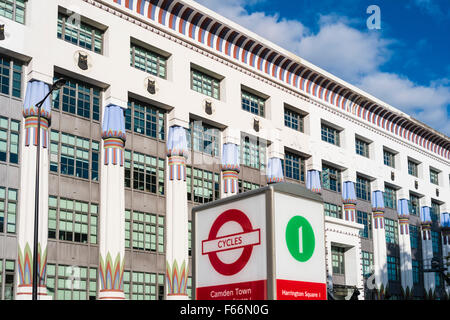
(300, 240)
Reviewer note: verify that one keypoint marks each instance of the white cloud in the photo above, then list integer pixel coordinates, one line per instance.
(354, 55)
(283, 32)
(426, 103)
(429, 7)
(344, 51)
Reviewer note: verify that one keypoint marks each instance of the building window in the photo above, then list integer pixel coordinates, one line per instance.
(438, 280)
(393, 265)
(367, 263)
(434, 176)
(330, 135)
(435, 211)
(414, 236)
(205, 84)
(365, 219)
(390, 197)
(413, 204)
(8, 210)
(161, 286)
(362, 188)
(144, 231)
(145, 119)
(9, 278)
(337, 260)
(144, 173)
(391, 230)
(389, 158)
(416, 271)
(245, 186)
(413, 168)
(80, 33)
(331, 178)
(148, 61)
(436, 243)
(293, 120)
(79, 98)
(362, 147)
(13, 9)
(253, 152)
(253, 103)
(72, 220)
(332, 210)
(202, 186)
(141, 285)
(77, 156)
(203, 138)
(71, 282)
(9, 140)
(294, 167)
(10, 76)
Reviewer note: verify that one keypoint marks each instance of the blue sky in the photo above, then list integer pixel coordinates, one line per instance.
(405, 63)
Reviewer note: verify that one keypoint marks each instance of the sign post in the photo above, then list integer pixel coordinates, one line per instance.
(263, 244)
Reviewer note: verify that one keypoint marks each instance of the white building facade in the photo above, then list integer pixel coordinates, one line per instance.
(167, 105)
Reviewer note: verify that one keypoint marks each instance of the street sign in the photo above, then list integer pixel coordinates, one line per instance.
(230, 250)
(263, 244)
(299, 248)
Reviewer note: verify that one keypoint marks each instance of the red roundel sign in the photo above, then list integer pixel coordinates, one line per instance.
(246, 239)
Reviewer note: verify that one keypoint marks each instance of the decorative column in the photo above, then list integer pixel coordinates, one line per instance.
(405, 248)
(112, 205)
(445, 230)
(349, 200)
(177, 257)
(427, 251)
(36, 91)
(274, 170)
(379, 244)
(313, 181)
(230, 169)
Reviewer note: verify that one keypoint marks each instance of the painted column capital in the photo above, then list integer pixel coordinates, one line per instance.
(403, 216)
(349, 200)
(230, 169)
(425, 215)
(313, 182)
(176, 144)
(444, 220)
(274, 170)
(378, 209)
(230, 157)
(348, 192)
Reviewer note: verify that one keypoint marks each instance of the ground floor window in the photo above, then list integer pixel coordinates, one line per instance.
(338, 261)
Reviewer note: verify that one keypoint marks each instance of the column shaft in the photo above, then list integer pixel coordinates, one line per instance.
(405, 248)
(36, 91)
(177, 258)
(112, 206)
(379, 244)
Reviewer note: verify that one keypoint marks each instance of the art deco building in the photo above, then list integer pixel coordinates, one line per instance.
(168, 105)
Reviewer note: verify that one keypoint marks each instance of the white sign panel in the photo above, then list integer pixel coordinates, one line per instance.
(300, 248)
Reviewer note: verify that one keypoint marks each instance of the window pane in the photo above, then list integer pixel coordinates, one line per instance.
(79, 33)
(148, 61)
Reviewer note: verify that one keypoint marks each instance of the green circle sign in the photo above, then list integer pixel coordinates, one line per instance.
(300, 238)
